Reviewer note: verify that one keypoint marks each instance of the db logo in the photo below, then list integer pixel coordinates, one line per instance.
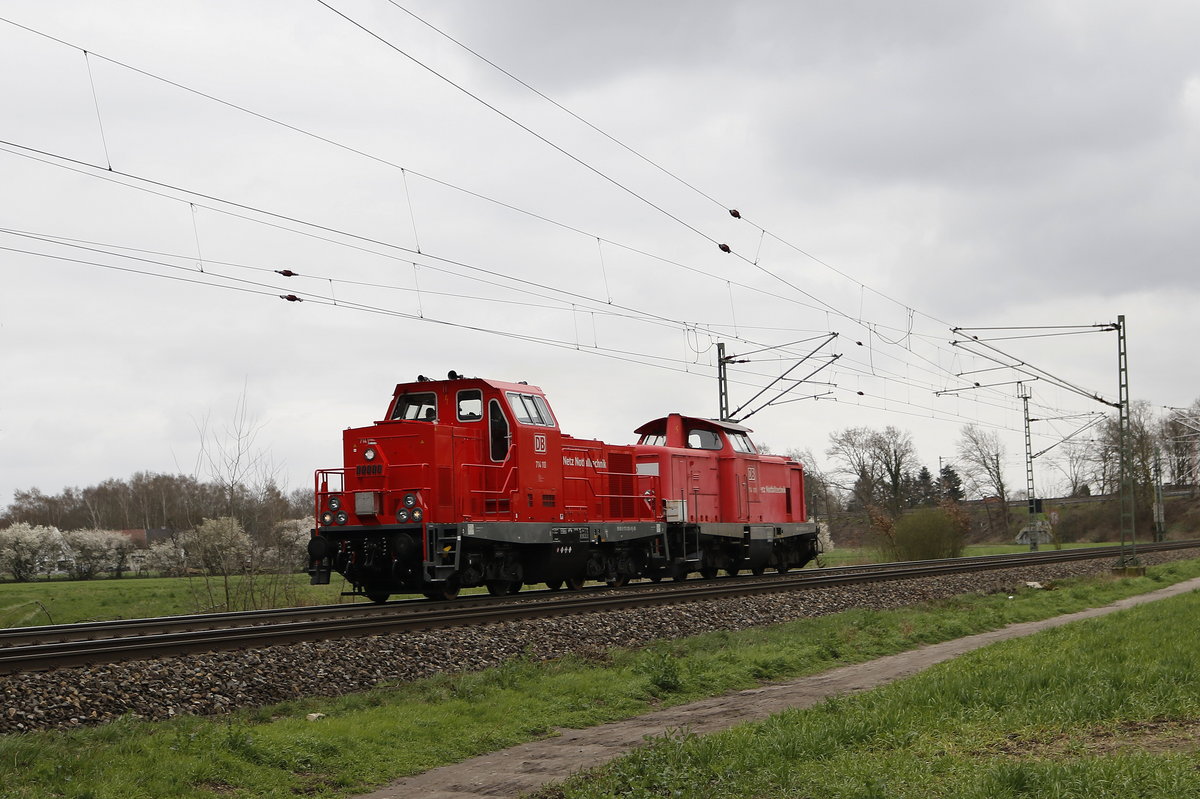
(751, 473)
(539, 443)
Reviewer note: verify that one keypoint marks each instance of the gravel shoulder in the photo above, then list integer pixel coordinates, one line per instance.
(510, 772)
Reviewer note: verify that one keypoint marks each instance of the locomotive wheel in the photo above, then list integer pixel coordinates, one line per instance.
(708, 572)
(783, 569)
(732, 572)
(575, 583)
(620, 581)
(757, 571)
(499, 587)
(656, 578)
(554, 585)
(378, 597)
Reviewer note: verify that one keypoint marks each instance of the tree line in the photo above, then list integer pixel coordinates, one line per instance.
(876, 474)
(152, 501)
(165, 524)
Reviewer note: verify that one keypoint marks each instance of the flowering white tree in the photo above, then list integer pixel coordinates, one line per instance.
(92, 551)
(222, 549)
(288, 550)
(27, 550)
(165, 558)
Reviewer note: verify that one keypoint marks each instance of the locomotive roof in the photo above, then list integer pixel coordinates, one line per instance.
(661, 421)
(432, 384)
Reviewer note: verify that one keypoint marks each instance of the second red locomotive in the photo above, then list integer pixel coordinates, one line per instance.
(469, 482)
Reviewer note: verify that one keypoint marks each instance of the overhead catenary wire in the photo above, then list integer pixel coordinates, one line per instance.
(111, 175)
(873, 327)
(754, 263)
(905, 332)
(737, 214)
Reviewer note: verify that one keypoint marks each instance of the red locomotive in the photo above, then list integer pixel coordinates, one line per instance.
(470, 482)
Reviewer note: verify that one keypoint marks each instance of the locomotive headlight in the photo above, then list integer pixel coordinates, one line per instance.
(410, 500)
(402, 515)
(341, 517)
(417, 514)
(326, 518)
(369, 453)
(335, 503)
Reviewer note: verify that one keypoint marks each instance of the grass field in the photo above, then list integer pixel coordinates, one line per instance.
(66, 602)
(878, 746)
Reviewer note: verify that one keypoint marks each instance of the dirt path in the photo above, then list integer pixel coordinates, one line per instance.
(509, 772)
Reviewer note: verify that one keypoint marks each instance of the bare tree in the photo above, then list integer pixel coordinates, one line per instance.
(894, 456)
(233, 460)
(1074, 462)
(981, 458)
(1180, 442)
(854, 450)
(876, 465)
(1142, 443)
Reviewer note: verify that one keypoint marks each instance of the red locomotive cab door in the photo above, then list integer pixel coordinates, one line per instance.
(681, 484)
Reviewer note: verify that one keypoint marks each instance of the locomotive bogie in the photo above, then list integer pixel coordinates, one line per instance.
(469, 482)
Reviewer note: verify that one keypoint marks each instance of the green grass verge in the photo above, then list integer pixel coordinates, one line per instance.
(1103, 708)
(370, 738)
(854, 556)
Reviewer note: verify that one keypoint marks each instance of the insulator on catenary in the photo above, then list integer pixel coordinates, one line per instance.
(286, 272)
(724, 248)
(734, 213)
(290, 298)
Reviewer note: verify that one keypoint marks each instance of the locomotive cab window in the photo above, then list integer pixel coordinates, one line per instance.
(654, 440)
(698, 438)
(470, 405)
(416, 407)
(742, 443)
(530, 409)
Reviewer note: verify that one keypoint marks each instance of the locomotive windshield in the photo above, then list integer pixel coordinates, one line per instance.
(530, 409)
(416, 407)
(742, 443)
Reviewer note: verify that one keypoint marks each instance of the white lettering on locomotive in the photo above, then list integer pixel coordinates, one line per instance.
(576, 460)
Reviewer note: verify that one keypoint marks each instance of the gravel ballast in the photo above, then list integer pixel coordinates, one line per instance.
(218, 682)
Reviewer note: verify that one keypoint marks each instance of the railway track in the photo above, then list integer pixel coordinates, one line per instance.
(41, 648)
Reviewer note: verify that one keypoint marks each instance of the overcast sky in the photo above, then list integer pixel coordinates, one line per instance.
(900, 169)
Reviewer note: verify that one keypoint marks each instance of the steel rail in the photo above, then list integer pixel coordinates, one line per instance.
(422, 615)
